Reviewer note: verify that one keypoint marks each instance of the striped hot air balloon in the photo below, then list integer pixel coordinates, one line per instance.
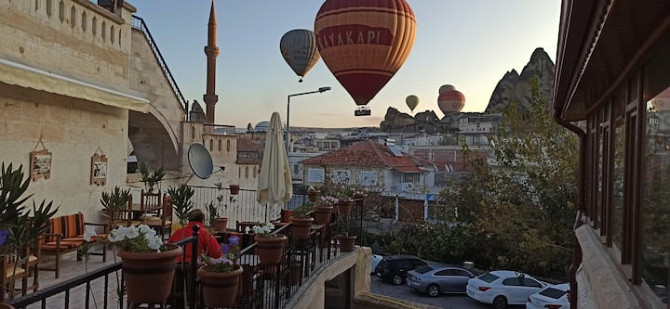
(451, 101)
(299, 50)
(364, 42)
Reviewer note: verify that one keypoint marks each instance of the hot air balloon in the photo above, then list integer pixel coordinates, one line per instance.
(299, 50)
(451, 101)
(445, 88)
(364, 42)
(412, 101)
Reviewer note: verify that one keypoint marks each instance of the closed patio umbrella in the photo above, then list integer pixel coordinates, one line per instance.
(274, 184)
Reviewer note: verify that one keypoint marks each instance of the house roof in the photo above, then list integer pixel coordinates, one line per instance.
(248, 145)
(368, 154)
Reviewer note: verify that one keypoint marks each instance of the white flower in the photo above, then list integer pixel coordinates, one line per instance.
(146, 230)
(114, 236)
(89, 233)
(155, 243)
(132, 233)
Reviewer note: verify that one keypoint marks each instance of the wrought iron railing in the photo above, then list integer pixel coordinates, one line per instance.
(139, 24)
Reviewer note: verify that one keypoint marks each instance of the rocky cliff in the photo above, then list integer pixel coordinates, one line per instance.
(517, 87)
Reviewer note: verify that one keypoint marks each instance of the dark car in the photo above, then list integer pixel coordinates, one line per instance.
(394, 268)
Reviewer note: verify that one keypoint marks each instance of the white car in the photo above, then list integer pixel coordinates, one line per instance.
(503, 287)
(376, 258)
(553, 296)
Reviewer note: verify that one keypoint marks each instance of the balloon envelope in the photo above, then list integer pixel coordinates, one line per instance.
(412, 101)
(445, 88)
(364, 42)
(299, 50)
(451, 101)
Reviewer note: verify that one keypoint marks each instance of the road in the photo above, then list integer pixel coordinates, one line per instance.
(404, 292)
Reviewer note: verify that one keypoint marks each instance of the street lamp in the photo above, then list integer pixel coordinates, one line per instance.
(288, 112)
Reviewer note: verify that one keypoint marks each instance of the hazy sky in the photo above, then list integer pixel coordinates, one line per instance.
(467, 43)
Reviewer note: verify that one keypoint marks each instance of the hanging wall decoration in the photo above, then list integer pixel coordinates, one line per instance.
(99, 168)
(40, 162)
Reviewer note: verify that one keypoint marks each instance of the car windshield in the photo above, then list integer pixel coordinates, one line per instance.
(553, 293)
(423, 269)
(488, 277)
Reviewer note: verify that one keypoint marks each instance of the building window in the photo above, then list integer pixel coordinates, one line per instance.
(211, 144)
(73, 16)
(246, 172)
(49, 7)
(341, 176)
(94, 25)
(103, 31)
(61, 11)
(368, 178)
(83, 21)
(228, 145)
(111, 34)
(315, 175)
(220, 143)
(255, 171)
(411, 177)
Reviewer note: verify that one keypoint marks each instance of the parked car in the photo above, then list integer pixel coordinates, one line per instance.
(553, 296)
(434, 280)
(376, 258)
(394, 268)
(503, 287)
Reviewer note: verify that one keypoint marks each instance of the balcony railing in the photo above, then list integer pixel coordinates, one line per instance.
(261, 286)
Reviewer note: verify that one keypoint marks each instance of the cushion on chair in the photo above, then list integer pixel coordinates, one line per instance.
(73, 239)
(10, 271)
(68, 226)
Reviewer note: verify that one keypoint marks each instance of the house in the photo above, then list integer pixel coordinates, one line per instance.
(373, 165)
(612, 86)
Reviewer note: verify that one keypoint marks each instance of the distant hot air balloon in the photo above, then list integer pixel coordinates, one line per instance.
(445, 88)
(364, 42)
(451, 101)
(298, 48)
(412, 101)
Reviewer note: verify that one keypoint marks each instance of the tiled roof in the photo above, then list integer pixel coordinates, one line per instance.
(248, 145)
(368, 154)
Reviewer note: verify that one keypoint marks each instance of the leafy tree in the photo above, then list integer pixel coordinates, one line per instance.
(519, 211)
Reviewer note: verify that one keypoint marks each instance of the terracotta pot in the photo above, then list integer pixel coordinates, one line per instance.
(219, 289)
(313, 195)
(322, 214)
(148, 276)
(234, 189)
(300, 227)
(6, 306)
(270, 249)
(220, 224)
(347, 243)
(344, 206)
(286, 215)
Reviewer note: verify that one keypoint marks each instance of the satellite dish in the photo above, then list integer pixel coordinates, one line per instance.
(200, 161)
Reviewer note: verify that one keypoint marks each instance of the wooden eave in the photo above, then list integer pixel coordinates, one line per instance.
(600, 43)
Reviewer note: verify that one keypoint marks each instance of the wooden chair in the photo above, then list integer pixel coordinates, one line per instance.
(10, 273)
(122, 217)
(151, 204)
(163, 222)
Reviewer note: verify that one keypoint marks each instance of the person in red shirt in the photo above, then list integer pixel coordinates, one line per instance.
(206, 242)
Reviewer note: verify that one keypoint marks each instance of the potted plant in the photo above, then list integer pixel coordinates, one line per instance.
(220, 277)
(345, 202)
(313, 194)
(181, 202)
(115, 202)
(347, 242)
(20, 227)
(269, 247)
(324, 209)
(301, 222)
(150, 178)
(216, 223)
(234, 189)
(148, 264)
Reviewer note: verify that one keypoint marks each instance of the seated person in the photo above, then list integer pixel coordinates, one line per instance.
(206, 242)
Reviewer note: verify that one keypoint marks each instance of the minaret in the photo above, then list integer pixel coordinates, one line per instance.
(211, 50)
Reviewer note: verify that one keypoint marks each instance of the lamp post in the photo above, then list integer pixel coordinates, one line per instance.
(288, 112)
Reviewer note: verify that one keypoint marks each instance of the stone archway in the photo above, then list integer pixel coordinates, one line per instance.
(153, 141)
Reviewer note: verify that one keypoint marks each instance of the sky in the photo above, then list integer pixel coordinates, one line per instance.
(470, 44)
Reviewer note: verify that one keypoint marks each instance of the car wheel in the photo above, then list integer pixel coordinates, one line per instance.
(433, 290)
(397, 280)
(500, 302)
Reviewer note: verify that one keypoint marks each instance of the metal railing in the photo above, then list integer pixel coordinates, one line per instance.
(89, 279)
(139, 24)
(262, 286)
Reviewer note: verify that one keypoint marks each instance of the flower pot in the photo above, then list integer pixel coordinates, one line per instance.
(344, 206)
(347, 243)
(322, 214)
(234, 189)
(148, 276)
(300, 227)
(6, 306)
(219, 289)
(220, 224)
(270, 249)
(286, 215)
(313, 195)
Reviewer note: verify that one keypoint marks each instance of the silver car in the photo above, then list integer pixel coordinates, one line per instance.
(434, 280)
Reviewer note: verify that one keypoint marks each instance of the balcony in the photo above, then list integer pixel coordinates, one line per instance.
(313, 272)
